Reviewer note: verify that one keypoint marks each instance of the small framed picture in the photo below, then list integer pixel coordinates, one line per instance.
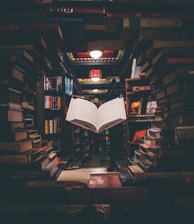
(135, 105)
(151, 107)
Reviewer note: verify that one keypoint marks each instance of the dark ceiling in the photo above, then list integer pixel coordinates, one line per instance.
(73, 28)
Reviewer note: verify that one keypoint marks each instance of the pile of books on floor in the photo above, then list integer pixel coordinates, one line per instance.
(165, 156)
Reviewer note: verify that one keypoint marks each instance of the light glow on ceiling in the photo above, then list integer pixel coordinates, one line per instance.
(96, 54)
(95, 79)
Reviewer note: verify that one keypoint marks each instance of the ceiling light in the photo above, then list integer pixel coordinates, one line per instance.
(95, 79)
(96, 54)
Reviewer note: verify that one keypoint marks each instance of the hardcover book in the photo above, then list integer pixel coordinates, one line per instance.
(172, 43)
(156, 142)
(19, 146)
(11, 115)
(12, 134)
(9, 69)
(27, 157)
(140, 175)
(155, 132)
(10, 95)
(20, 134)
(87, 115)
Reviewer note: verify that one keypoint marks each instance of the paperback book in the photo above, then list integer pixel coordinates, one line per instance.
(87, 115)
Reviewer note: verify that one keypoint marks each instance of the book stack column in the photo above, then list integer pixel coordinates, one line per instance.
(167, 150)
(21, 146)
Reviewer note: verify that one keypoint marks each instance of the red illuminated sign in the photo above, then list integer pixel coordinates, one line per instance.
(95, 73)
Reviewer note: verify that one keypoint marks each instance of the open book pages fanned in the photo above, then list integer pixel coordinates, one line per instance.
(87, 115)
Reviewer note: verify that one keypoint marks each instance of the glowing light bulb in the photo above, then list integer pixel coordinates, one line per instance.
(96, 54)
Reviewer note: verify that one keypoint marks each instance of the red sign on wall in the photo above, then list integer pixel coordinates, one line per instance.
(95, 73)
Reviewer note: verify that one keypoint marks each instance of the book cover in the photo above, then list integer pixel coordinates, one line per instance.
(11, 115)
(39, 143)
(86, 114)
(20, 134)
(156, 142)
(154, 132)
(108, 180)
(11, 126)
(74, 177)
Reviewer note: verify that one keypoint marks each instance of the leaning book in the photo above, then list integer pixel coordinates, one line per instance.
(87, 115)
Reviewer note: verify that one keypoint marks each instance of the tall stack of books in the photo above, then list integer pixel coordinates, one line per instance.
(165, 155)
(166, 152)
(20, 143)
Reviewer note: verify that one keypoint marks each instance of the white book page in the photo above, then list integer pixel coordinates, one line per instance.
(83, 110)
(111, 111)
(79, 175)
(71, 113)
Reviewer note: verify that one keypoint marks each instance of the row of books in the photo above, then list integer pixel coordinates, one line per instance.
(53, 83)
(56, 83)
(52, 102)
(68, 86)
(53, 126)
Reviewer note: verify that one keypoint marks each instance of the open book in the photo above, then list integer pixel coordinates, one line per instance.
(87, 115)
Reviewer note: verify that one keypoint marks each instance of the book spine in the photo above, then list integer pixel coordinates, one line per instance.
(46, 102)
(55, 125)
(50, 126)
(152, 23)
(18, 73)
(15, 159)
(35, 26)
(58, 102)
(173, 43)
(160, 23)
(180, 60)
(150, 141)
(46, 126)
(169, 175)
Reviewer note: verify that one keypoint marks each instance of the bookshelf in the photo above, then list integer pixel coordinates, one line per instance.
(138, 92)
(52, 102)
(81, 151)
(53, 105)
